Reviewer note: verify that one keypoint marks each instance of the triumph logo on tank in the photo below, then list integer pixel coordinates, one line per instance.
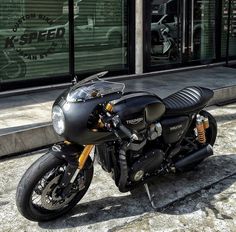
(134, 121)
(35, 43)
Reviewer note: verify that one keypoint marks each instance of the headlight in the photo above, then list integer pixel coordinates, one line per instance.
(58, 120)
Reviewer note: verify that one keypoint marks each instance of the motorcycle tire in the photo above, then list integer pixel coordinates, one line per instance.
(211, 134)
(30, 180)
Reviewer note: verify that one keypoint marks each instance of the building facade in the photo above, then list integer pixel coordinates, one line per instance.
(43, 41)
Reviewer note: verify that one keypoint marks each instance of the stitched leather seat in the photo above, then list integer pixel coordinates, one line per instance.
(187, 100)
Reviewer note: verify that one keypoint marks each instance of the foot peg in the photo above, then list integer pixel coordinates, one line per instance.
(150, 197)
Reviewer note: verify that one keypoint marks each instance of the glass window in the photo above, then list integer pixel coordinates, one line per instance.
(100, 35)
(232, 29)
(33, 39)
(203, 30)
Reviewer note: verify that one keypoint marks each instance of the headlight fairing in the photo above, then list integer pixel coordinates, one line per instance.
(58, 120)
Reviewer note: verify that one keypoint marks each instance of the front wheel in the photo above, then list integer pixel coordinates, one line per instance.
(38, 195)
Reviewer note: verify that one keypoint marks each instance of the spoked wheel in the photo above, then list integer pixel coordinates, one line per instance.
(211, 134)
(39, 196)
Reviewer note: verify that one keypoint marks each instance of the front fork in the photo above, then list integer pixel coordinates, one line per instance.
(84, 156)
(76, 162)
(81, 161)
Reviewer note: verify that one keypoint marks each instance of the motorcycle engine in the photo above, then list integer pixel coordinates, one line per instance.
(155, 131)
(147, 163)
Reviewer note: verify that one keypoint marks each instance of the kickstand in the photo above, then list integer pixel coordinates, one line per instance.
(150, 197)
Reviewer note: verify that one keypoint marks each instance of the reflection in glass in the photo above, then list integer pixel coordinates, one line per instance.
(33, 39)
(232, 29)
(164, 32)
(202, 30)
(100, 35)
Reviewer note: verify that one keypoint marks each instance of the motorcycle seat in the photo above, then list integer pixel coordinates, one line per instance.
(187, 100)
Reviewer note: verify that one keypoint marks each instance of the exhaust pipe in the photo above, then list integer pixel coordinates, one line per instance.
(194, 157)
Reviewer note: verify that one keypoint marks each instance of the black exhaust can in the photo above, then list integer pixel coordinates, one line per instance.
(202, 153)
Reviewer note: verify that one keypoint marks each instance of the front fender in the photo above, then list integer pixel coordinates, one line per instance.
(67, 151)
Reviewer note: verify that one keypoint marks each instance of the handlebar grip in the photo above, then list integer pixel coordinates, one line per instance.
(125, 130)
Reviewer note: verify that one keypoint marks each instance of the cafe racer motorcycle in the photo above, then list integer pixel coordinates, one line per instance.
(134, 135)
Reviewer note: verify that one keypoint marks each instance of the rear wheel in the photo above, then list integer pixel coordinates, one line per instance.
(38, 196)
(211, 134)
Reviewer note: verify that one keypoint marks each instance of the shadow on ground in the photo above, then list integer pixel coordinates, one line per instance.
(167, 189)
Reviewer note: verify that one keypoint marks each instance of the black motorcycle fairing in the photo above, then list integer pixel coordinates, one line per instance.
(76, 118)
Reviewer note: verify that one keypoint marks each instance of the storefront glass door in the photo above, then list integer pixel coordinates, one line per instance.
(199, 30)
(165, 36)
(228, 15)
(179, 32)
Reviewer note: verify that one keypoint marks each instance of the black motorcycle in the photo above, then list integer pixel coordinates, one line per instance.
(134, 135)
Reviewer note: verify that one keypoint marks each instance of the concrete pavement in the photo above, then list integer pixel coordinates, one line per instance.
(200, 200)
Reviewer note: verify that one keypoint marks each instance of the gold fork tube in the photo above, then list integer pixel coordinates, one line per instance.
(84, 156)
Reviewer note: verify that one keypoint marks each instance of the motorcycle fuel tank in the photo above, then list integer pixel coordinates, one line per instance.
(136, 110)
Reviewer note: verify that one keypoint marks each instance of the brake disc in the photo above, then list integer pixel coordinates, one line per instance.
(51, 199)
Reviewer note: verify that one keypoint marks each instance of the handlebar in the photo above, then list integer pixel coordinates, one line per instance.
(125, 130)
(118, 124)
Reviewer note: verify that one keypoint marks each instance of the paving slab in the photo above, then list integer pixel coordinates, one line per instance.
(210, 209)
(104, 208)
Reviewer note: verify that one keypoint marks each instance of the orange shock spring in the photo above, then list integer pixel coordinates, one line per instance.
(200, 131)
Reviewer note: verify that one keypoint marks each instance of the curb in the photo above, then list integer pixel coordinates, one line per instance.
(33, 138)
(224, 96)
(27, 140)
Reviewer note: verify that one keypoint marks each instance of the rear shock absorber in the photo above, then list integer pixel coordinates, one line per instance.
(206, 123)
(200, 125)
